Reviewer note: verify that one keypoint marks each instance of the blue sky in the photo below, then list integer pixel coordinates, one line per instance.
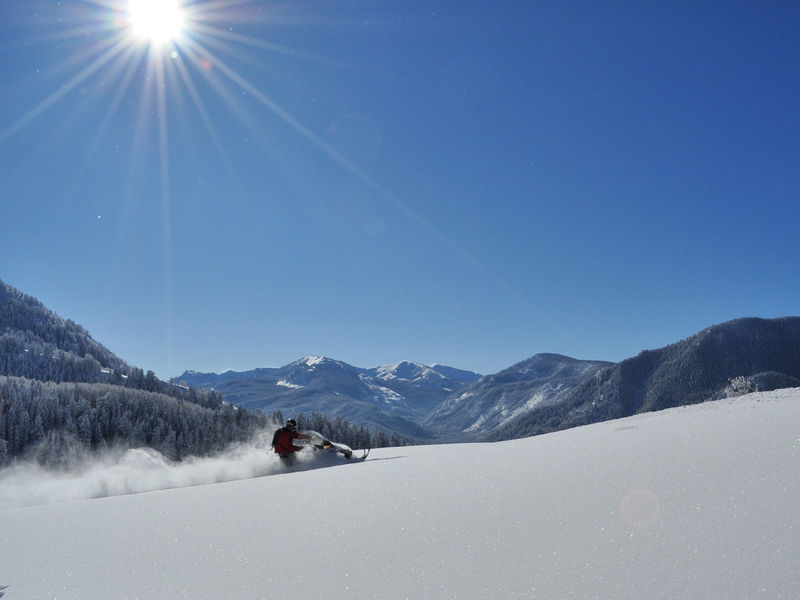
(458, 181)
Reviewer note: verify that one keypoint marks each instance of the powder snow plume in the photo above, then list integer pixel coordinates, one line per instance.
(132, 471)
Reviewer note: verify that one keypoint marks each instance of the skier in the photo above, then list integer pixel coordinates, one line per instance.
(282, 440)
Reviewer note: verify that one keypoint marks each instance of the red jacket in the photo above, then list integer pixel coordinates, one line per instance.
(282, 441)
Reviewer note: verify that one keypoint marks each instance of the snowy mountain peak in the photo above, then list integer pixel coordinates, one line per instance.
(419, 373)
(410, 371)
(313, 361)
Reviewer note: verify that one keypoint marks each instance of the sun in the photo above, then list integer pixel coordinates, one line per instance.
(156, 21)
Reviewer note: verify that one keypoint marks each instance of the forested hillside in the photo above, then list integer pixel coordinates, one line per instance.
(60, 390)
(740, 356)
(486, 405)
(51, 421)
(36, 343)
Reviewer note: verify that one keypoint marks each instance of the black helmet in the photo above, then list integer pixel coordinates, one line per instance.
(291, 425)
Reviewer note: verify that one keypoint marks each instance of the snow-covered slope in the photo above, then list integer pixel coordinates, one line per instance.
(693, 502)
(480, 409)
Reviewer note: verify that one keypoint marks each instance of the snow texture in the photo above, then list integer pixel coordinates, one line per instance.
(287, 384)
(313, 361)
(693, 502)
(380, 393)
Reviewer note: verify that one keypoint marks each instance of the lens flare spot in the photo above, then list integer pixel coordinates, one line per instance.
(639, 509)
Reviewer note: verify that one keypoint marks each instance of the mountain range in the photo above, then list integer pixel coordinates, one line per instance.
(543, 393)
(393, 397)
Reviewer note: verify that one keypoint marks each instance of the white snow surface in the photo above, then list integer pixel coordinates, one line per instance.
(313, 361)
(380, 393)
(289, 384)
(408, 370)
(693, 502)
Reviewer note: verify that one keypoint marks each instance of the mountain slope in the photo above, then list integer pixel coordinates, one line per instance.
(496, 399)
(63, 393)
(693, 502)
(765, 353)
(207, 380)
(38, 344)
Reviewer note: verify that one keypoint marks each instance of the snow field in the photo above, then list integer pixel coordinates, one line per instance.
(694, 502)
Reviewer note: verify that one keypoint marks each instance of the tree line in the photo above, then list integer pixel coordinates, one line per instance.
(49, 421)
(45, 420)
(23, 354)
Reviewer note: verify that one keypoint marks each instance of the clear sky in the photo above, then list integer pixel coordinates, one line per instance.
(466, 182)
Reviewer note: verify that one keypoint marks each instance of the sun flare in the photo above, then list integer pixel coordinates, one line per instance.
(156, 21)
